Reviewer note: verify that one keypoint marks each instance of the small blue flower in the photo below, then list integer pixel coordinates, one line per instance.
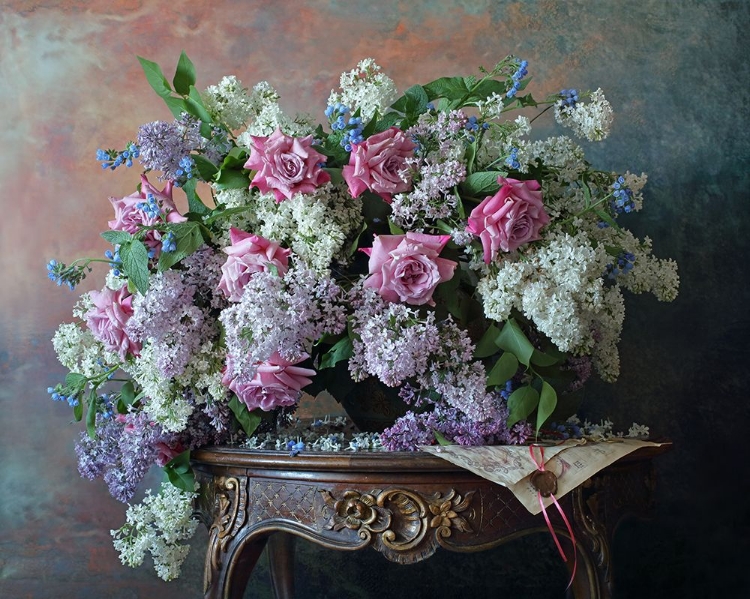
(569, 97)
(168, 242)
(512, 160)
(295, 448)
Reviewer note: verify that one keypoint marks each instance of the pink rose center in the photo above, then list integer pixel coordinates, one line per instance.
(291, 168)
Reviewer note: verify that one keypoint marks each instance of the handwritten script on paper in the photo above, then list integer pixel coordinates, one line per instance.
(572, 461)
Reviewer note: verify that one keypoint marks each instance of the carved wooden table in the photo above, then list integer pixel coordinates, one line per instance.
(404, 505)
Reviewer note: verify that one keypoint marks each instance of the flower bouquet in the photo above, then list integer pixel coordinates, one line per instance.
(425, 242)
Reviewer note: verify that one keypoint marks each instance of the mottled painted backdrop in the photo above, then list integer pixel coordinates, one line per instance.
(676, 73)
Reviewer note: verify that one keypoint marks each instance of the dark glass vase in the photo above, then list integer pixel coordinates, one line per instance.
(373, 406)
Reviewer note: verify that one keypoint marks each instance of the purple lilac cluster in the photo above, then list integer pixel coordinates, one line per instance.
(283, 315)
(442, 143)
(168, 318)
(209, 426)
(122, 452)
(454, 375)
(392, 343)
(582, 369)
(413, 430)
(202, 269)
(166, 146)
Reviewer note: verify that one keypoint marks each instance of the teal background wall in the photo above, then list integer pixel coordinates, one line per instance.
(676, 73)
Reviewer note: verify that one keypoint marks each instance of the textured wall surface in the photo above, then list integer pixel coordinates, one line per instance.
(676, 73)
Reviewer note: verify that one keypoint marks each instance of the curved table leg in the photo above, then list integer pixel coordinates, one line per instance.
(230, 581)
(281, 561)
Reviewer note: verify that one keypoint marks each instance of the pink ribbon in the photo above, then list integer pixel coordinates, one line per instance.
(540, 467)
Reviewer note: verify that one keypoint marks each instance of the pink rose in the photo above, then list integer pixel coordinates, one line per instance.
(276, 383)
(379, 164)
(249, 254)
(510, 218)
(166, 453)
(407, 267)
(286, 165)
(108, 317)
(130, 218)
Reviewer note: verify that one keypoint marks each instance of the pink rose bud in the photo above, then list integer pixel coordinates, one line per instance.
(407, 267)
(509, 219)
(130, 218)
(247, 255)
(276, 383)
(379, 164)
(108, 318)
(286, 165)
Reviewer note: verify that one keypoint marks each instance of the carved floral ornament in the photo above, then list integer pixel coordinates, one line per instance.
(398, 517)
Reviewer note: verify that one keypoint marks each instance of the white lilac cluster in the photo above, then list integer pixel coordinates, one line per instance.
(78, 351)
(165, 401)
(158, 525)
(365, 89)
(259, 111)
(315, 226)
(562, 154)
(228, 102)
(558, 286)
(591, 119)
(507, 144)
(284, 315)
(325, 434)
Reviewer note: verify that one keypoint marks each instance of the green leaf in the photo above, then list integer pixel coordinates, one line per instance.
(355, 242)
(488, 87)
(176, 105)
(547, 404)
(134, 257)
(389, 119)
(540, 358)
(394, 228)
(487, 345)
(155, 77)
(206, 169)
(237, 157)
(75, 381)
(503, 370)
(471, 154)
(78, 411)
(91, 415)
(117, 237)
(413, 102)
(184, 77)
(440, 438)
(512, 339)
(483, 183)
(521, 403)
(232, 179)
(195, 204)
(127, 393)
(248, 420)
(188, 238)
(194, 105)
(336, 177)
(602, 214)
(450, 88)
(527, 100)
(179, 472)
(342, 350)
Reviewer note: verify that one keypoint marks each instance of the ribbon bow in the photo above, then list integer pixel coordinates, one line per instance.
(545, 482)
